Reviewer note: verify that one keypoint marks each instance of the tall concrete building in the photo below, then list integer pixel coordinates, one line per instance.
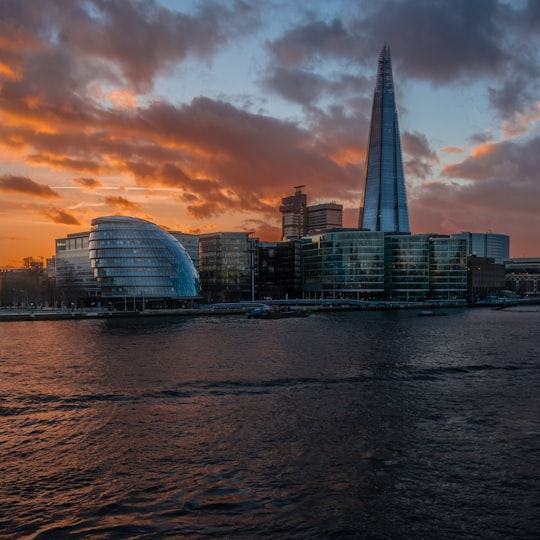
(298, 219)
(384, 207)
(293, 215)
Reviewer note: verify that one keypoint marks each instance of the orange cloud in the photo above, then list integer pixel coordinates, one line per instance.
(483, 149)
(25, 186)
(123, 99)
(122, 203)
(454, 149)
(59, 215)
(88, 183)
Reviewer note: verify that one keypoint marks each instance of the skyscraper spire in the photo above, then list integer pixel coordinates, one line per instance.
(385, 201)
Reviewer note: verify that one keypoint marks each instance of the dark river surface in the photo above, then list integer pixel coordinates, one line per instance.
(376, 425)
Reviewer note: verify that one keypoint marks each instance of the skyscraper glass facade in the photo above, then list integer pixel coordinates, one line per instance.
(133, 258)
(385, 200)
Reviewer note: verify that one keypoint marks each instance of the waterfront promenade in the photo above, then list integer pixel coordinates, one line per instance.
(43, 314)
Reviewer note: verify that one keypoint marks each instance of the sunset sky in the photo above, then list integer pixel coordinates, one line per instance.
(201, 115)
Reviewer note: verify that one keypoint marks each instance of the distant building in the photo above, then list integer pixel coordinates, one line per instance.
(227, 266)
(484, 278)
(523, 276)
(298, 219)
(293, 215)
(279, 271)
(487, 245)
(384, 207)
(324, 217)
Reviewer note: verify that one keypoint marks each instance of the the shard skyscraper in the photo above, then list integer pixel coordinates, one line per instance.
(385, 200)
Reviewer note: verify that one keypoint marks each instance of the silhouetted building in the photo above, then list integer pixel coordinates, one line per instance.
(279, 271)
(227, 266)
(484, 278)
(293, 215)
(384, 207)
(523, 276)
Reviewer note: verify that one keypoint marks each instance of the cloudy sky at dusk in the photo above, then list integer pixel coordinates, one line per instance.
(201, 115)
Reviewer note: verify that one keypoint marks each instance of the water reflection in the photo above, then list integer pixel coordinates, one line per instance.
(376, 425)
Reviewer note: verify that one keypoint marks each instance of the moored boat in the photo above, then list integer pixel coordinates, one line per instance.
(267, 312)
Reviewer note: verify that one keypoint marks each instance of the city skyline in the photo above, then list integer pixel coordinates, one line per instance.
(202, 116)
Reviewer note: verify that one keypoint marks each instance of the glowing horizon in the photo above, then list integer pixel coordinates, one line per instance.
(212, 114)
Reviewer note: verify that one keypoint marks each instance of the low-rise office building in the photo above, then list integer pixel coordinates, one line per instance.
(523, 276)
(352, 263)
(227, 262)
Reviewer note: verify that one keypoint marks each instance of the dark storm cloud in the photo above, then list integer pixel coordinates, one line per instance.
(501, 189)
(421, 157)
(517, 164)
(25, 186)
(130, 40)
(313, 40)
(306, 87)
(441, 42)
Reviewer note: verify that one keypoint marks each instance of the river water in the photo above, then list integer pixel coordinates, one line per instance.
(376, 425)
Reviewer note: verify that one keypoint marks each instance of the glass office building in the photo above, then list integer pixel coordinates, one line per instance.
(447, 268)
(384, 207)
(227, 263)
(490, 245)
(140, 264)
(407, 267)
(74, 275)
(347, 263)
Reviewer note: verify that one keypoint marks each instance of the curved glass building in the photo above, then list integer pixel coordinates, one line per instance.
(138, 262)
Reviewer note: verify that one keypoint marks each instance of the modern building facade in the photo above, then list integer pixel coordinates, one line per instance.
(138, 265)
(384, 206)
(75, 278)
(227, 263)
(365, 265)
(191, 245)
(487, 245)
(345, 263)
